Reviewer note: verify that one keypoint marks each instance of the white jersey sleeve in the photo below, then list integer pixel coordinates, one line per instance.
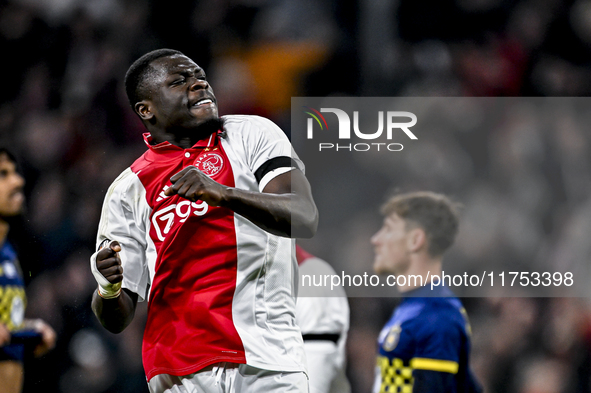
(123, 219)
(320, 309)
(326, 312)
(268, 151)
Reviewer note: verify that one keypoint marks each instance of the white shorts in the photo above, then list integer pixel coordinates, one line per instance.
(231, 378)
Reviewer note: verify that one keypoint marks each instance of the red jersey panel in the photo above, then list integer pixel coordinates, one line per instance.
(192, 290)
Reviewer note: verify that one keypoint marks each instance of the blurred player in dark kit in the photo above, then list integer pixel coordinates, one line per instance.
(15, 330)
(200, 226)
(425, 346)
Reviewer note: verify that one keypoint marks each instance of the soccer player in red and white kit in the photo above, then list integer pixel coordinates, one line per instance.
(201, 227)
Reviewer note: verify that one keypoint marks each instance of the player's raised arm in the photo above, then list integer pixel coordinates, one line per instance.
(301, 211)
(113, 306)
(284, 208)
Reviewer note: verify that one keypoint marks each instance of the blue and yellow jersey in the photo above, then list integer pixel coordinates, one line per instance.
(425, 346)
(12, 300)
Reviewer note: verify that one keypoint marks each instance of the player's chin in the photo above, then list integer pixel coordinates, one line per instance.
(12, 208)
(8, 214)
(378, 268)
(205, 111)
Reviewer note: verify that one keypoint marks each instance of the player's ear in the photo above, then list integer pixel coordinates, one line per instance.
(416, 239)
(144, 110)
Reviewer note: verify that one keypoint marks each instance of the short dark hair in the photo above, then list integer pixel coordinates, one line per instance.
(435, 213)
(8, 154)
(135, 76)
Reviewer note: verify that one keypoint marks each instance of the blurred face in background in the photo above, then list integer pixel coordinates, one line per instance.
(391, 246)
(11, 188)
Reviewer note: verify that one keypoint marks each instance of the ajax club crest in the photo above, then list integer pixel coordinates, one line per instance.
(210, 163)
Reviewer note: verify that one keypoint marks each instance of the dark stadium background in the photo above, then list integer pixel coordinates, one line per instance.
(64, 113)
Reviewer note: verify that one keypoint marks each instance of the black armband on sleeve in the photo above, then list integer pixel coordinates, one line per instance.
(272, 164)
(333, 337)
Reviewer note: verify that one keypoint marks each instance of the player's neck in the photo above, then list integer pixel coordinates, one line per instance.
(4, 228)
(180, 139)
(424, 266)
(186, 138)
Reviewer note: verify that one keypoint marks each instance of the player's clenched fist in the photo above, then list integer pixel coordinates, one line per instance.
(107, 270)
(192, 184)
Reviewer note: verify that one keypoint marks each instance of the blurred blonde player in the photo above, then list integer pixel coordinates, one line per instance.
(15, 330)
(425, 346)
(324, 321)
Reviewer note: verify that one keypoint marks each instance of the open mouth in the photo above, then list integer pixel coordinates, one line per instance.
(202, 102)
(17, 196)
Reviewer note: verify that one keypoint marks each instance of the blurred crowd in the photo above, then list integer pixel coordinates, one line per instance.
(525, 182)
